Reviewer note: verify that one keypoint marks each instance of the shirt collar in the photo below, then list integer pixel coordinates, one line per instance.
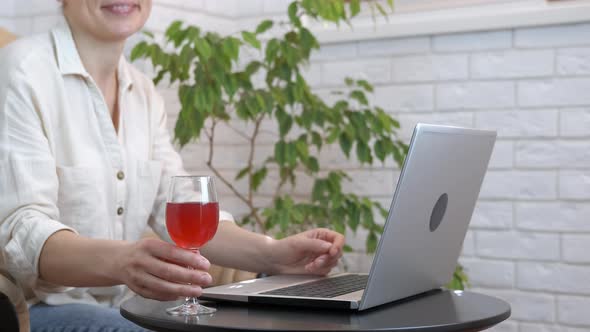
(69, 62)
(68, 59)
(124, 75)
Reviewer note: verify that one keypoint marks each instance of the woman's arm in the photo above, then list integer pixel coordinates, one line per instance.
(315, 251)
(145, 266)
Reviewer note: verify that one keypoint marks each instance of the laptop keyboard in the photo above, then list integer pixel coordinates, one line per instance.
(327, 288)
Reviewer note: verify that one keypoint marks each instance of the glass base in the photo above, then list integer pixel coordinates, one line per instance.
(191, 307)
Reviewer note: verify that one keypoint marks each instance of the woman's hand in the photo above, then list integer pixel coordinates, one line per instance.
(315, 251)
(158, 270)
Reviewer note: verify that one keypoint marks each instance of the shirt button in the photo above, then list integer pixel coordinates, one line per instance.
(120, 211)
(120, 175)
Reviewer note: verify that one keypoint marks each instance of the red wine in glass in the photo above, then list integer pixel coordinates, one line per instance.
(192, 216)
(192, 224)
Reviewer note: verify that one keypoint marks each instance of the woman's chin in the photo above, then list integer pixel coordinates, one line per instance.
(119, 33)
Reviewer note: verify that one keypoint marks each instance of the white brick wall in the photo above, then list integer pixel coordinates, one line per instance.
(469, 42)
(553, 92)
(490, 273)
(575, 248)
(552, 36)
(475, 95)
(333, 73)
(529, 240)
(553, 216)
(517, 245)
(573, 310)
(519, 123)
(430, 68)
(575, 123)
(394, 46)
(573, 61)
(563, 278)
(512, 64)
(519, 184)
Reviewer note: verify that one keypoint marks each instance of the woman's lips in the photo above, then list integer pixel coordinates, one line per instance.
(121, 9)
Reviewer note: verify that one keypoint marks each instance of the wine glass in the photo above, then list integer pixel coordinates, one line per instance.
(192, 216)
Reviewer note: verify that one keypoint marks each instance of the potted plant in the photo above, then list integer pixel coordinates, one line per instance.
(215, 87)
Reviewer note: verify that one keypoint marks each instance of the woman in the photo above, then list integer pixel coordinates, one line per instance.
(85, 161)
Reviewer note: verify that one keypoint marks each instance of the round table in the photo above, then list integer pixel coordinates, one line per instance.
(442, 310)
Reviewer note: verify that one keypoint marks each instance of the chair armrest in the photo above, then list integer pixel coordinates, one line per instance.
(14, 294)
(224, 275)
(6, 37)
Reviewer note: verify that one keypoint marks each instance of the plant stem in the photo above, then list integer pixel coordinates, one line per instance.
(247, 200)
(211, 137)
(251, 156)
(254, 213)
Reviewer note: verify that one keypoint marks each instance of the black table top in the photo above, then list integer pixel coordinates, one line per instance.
(437, 311)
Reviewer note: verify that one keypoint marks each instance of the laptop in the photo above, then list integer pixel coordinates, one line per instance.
(422, 238)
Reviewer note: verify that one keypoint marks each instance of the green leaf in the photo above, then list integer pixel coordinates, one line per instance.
(380, 150)
(313, 164)
(173, 28)
(338, 225)
(398, 156)
(272, 48)
(308, 41)
(148, 33)
(292, 11)
(355, 217)
(192, 34)
(230, 85)
(159, 76)
(317, 192)
(367, 219)
(381, 10)
(334, 182)
(139, 50)
(231, 47)
(253, 67)
(363, 152)
(243, 172)
(359, 96)
(258, 177)
(283, 219)
(371, 242)
(355, 7)
(250, 38)
(291, 154)
(345, 144)
(203, 48)
(264, 26)
(285, 125)
(302, 149)
(281, 152)
(365, 85)
(316, 139)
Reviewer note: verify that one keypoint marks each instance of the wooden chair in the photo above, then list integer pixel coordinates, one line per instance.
(6, 37)
(13, 306)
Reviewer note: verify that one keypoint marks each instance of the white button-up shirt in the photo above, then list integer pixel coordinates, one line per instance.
(63, 165)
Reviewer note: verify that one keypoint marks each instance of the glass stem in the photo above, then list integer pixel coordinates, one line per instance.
(191, 300)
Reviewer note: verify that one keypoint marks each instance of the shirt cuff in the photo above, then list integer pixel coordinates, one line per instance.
(35, 237)
(226, 216)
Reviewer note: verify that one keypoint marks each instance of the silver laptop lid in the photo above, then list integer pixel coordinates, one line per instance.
(430, 212)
